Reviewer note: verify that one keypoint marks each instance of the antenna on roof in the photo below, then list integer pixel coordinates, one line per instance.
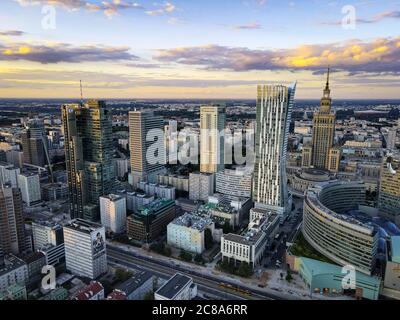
(80, 82)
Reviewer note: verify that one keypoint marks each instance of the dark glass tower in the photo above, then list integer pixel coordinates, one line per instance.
(33, 143)
(89, 156)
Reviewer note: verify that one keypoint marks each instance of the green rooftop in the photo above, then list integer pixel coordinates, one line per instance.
(155, 207)
(395, 241)
(301, 248)
(331, 275)
(318, 268)
(15, 292)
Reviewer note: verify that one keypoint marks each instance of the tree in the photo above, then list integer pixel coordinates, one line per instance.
(208, 239)
(198, 258)
(122, 275)
(289, 275)
(245, 270)
(185, 256)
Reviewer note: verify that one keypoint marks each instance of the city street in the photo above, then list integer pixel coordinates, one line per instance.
(201, 275)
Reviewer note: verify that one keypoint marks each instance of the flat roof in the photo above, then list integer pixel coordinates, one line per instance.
(173, 286)
(32, 257)
(83, 225)
(192, 221)
(156, 207)
(134, 282)
(112, 197)
(11, 262)
(317, 267)
(395, 241)
(249, 238)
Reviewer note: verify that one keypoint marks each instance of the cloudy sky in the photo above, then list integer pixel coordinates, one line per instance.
(198, 48)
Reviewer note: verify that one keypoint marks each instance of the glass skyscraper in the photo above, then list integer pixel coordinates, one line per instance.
(89, 156)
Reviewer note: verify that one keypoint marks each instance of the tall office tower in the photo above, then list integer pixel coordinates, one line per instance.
(73, 158)
(12, 227)
(89, 156)
(144, 127)
(391, 139)
(389, 190)
(274, 109)
(99, 173)
(212, 142)
(34, 143)
(85, 248)
(171, 141)
(323, 130)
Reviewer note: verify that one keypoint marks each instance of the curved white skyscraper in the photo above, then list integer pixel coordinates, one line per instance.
(274, 109)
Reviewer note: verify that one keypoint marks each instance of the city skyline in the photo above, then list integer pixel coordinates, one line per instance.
(134, 166)
(181, 49)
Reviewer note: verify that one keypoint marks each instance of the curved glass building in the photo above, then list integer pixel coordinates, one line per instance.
(342, 238)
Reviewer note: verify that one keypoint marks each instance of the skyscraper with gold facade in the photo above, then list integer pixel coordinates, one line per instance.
(323, 135)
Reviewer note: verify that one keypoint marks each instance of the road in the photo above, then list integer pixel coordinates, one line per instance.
(165, 275)
(289, 229)
(206, 283)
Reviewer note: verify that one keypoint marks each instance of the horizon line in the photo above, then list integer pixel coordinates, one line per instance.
(211, 99)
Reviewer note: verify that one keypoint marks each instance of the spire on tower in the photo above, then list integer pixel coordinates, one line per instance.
(80, 82)
(327, 78)
(327, 91)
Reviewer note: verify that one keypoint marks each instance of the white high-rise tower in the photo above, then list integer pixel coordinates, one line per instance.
(274, 108)
(212, 126)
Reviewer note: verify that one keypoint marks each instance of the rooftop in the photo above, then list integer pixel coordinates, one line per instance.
(117, 295)
(249, 238)
(89, 291)
(11, 291)
(239, 171)
(83, 225)
(174, 286)
(156, 207)
(395, 241)
(218, 207)
(46, 223)
(312, 195)
(11, 262)
(112, 197)
(34, 256)
(28, 174)
(134, 282)
(256, 229)
(320, 268)
(193, 221)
